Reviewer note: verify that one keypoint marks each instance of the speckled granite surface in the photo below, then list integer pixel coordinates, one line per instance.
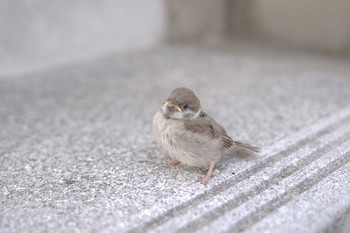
(78, 154)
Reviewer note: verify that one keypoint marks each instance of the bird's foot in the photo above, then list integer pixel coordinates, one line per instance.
(174, 162)
(209, 174)
(204, 180)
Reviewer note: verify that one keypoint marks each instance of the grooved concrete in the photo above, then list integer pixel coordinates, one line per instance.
(255, 184)
(78, 154)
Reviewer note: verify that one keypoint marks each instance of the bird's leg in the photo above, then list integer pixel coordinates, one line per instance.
(207, 177)
(174, 162)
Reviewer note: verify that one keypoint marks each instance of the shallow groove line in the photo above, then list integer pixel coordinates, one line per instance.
(243, 197)
(321, 128)
(288, 195)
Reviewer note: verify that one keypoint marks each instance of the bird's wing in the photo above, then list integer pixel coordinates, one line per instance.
(204, 124)
(201, 125)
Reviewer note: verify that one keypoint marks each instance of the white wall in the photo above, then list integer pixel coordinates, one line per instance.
(37, 34)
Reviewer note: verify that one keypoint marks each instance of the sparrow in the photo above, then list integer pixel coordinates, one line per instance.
(189, 135)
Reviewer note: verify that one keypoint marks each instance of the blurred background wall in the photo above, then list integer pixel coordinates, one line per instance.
(37, 34)
(316, 24)
(322, 25)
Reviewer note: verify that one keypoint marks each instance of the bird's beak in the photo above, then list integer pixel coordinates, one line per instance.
(173, 106)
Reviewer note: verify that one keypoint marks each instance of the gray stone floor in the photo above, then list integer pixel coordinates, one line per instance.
(78, 154)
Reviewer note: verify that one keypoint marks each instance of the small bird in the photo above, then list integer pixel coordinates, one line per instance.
(189, 135)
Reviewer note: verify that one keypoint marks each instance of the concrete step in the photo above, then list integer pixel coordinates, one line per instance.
(281, 176)
(78, 153)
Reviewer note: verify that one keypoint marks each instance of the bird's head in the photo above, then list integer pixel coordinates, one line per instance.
(182, 104)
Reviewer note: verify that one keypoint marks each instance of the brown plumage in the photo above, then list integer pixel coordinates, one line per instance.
(191, 136)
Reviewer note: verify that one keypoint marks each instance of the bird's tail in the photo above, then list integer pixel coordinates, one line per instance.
(246, 146)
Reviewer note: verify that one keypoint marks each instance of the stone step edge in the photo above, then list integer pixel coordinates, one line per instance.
(270, 154)
(309, 176)
(277, 171)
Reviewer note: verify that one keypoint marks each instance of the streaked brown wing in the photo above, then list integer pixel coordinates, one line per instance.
(206, 125)
(228, 142)
(201, 126)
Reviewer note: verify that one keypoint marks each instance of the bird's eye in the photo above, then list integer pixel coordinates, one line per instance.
(185, 106)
